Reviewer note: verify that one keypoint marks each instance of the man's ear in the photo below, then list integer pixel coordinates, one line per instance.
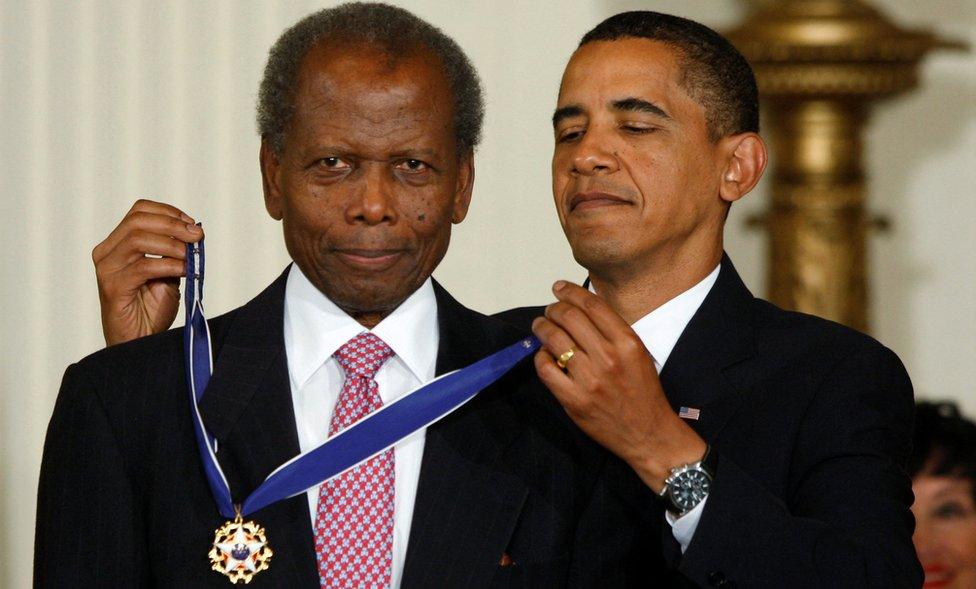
(465, 184)
(270, 180)
(744, 167)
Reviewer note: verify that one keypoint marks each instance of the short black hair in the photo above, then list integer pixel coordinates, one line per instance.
(714, 73)
(944, 443)
(393, 30)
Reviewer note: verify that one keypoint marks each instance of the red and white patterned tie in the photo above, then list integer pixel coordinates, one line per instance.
(354, 522)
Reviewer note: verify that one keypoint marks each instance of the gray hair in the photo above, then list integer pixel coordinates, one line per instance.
(392, 29)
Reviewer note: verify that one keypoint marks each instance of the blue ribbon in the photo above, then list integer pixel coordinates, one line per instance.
(366, 438)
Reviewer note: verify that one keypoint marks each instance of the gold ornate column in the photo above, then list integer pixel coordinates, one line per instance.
(819, 65)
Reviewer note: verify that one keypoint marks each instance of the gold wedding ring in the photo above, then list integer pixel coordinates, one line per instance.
(563, 358)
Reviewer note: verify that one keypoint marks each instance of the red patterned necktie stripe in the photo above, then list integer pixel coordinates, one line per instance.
(354, 521)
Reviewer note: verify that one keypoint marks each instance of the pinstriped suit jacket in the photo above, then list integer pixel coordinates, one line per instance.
(123, 500)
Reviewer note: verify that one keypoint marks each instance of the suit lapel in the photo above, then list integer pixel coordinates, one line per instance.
(701, 370)
(466, 508)
(248, 407)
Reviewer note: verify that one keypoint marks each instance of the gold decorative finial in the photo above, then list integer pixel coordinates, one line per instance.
(819, 64)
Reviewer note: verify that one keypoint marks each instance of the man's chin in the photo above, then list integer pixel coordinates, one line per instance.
(593, 252)
(373, 297)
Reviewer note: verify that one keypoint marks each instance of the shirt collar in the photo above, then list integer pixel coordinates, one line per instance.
(661, 328)
(315, 328)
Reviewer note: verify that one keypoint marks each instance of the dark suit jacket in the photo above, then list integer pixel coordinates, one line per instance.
(812, 425)
(123, 500)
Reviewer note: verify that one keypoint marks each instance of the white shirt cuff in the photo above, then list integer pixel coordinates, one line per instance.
(684, 527)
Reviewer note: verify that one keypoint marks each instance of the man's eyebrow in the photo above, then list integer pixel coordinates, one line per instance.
(572, 110)
(639, 105)
(409, 152)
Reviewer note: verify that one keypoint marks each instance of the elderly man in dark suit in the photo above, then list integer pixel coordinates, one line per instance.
(776, 440)
(368, 118)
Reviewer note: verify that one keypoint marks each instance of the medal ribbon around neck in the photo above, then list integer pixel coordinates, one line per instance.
(368, 437)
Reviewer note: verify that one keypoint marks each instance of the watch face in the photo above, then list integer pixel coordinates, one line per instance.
(689, 489)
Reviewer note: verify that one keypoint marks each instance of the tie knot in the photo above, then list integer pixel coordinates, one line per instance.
(363, 355)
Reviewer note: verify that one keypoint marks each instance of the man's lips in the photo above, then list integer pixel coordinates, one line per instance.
(938, 575)
(370, 259)
(595, 199)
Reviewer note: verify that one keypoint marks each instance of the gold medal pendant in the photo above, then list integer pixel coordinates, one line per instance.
(240, 550)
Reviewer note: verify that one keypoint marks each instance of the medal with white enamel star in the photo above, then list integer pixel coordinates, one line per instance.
(240, 550)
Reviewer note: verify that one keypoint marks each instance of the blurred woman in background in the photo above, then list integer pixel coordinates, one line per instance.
(943, 469)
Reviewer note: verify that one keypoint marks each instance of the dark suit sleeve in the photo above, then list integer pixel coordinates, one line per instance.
(87, 533)
(845, 521)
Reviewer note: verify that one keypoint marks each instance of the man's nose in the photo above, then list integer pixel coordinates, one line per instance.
(594, 155)
(376, 200)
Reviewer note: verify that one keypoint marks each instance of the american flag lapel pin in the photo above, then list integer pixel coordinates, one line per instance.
(692, 413)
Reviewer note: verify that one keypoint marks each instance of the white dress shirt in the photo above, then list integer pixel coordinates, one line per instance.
(660, 330)
(315, 328)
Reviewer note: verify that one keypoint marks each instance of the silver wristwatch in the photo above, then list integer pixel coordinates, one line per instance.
(688, 484)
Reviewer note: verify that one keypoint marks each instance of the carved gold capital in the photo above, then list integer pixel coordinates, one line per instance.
(819, 64)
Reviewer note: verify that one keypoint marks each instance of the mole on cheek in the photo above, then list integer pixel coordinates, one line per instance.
(421, 217)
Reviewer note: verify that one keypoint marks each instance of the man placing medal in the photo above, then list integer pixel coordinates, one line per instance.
(368, 118)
